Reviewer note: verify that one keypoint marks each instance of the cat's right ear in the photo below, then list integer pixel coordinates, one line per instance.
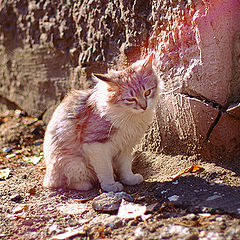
(105, 78)
(147, 66)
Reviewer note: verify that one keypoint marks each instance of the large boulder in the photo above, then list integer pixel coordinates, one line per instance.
(49, 47)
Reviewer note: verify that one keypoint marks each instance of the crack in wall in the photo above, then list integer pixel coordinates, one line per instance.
(205, 101)
(215, 105)
(212, 126)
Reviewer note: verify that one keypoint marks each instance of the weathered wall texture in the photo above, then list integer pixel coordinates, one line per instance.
(48, 47)
(198, 56)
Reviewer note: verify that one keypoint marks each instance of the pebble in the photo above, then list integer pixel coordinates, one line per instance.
(6, 150)
(191, 217)
(16, 197)
(110, 202)
(138, 232)
(109, 221)
(27, 222)
(175, 182)
(219, 219)
(53, 228)
(173, 198)
(177, 229)
(38, 143)
(153, 207)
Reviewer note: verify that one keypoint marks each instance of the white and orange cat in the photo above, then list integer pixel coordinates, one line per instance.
(92, 133)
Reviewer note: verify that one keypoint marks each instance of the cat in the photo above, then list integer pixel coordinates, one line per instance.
(92, 133)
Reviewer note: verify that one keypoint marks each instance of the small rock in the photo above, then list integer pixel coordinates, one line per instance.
(173, 198)
(27, 222)
(213, 236)
(192, 236)
(16, 197)
(11, 155)
(153, 207)
(138, 232)
(53, 228)
(177, 229)
(4, 173)
(109, 202)
(72, 208)
(219, 219)
(6, 150)
(133, 222)
(32, 191)
(70, 232)
(20, 208)
(72, 222)
(213, 197)
(38, 143)
(109, 221)
(191, 217)
(205, 215)
(175, 182)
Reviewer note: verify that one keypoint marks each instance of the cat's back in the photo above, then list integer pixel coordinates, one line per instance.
(63, 121)
(74, 104)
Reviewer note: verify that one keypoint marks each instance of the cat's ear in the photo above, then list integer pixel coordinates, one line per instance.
(105, 78)
(147, 66)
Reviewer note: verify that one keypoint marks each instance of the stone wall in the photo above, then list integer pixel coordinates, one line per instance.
(49, 47)
(198, 60)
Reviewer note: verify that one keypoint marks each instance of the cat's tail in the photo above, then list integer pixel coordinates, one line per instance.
(71, 173)
(53, 177)
(78, 175)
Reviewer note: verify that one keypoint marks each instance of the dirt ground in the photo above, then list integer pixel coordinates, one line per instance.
(199, 205)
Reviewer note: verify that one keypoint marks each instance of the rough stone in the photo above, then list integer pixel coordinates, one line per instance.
(6, 150)
(234, 110)
(16, 197)
(111, 221)
(181, 123)
(225, 138)
(109, 202)
(35, 78)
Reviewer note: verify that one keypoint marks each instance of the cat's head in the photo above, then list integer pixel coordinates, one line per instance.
(134, 89)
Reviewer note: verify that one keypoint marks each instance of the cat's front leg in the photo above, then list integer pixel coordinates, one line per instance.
(124, 166)
(101, 160)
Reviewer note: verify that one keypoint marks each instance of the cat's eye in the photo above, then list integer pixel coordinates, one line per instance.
(133, 99)
(147, 93)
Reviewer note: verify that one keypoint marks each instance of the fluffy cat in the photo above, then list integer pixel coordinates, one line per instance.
(92, 133)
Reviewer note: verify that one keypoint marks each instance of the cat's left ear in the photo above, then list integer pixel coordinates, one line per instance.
(147, 66)
(105, 78)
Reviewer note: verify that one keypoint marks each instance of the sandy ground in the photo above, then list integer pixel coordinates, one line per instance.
(200, 205)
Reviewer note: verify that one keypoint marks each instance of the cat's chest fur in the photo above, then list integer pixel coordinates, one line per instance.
(131, 130)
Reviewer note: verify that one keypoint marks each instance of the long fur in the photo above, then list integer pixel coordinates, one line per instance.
(92, 133)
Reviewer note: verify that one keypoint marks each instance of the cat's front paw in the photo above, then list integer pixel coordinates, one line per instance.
(133, 179)
(113, 187)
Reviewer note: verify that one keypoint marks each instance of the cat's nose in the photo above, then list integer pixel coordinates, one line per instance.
(143, 105)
